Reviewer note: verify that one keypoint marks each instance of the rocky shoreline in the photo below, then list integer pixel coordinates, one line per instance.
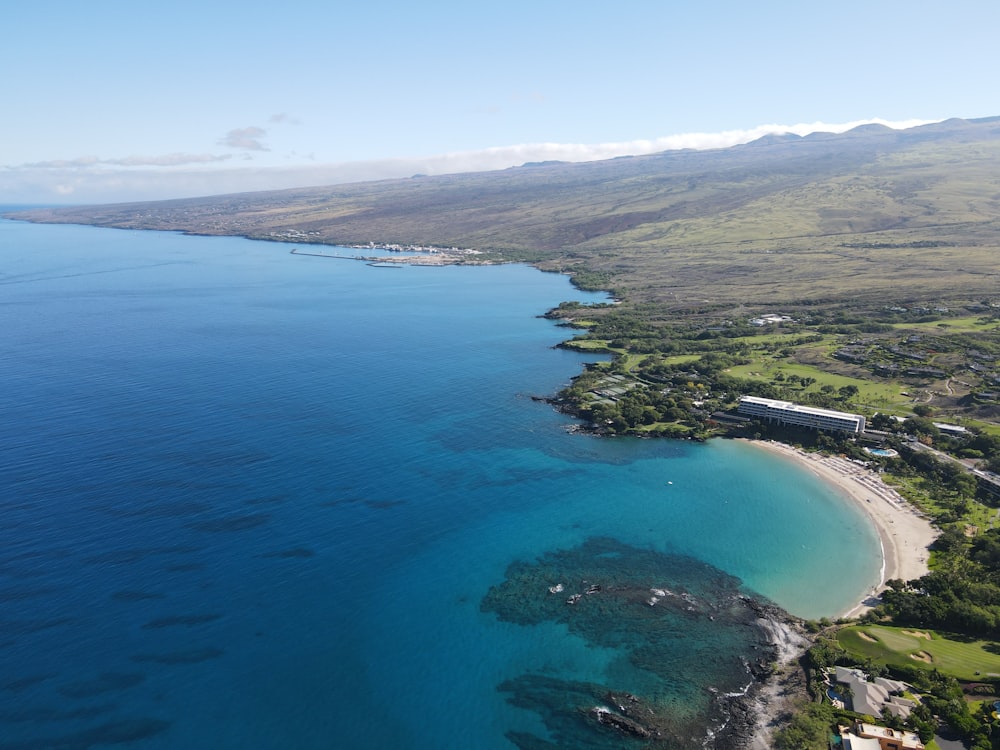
(698, 656)
(748, 719)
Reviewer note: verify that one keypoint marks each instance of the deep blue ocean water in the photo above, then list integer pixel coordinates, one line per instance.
(254, 499)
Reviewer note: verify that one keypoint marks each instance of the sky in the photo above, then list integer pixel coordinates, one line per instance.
(107, 101)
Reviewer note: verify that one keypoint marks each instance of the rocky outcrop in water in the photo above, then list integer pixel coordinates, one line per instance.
(694, 648)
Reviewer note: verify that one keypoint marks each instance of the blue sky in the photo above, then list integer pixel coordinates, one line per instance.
(111, 101)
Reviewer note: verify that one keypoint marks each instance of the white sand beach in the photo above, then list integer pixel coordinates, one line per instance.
(904, 533)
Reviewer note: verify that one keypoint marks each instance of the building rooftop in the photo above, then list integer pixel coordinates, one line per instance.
(800, 408)
(874, 698)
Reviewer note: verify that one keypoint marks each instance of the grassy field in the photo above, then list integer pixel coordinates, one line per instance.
(987, 427)
(970, 324)
(681, 359)
(885, 396)
(589, 345)
(976, 514)
(962, 659)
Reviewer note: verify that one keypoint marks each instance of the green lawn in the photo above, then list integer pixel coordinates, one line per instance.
(951, 325)
(915, 490)
(681, 359)
(883, 396)
(964, 660)
(590, 345)
(631, 361)
(987, 427)
(778, 337)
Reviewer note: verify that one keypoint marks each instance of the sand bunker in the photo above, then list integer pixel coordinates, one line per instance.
(865, 637)
(922, 656)
(917, 634)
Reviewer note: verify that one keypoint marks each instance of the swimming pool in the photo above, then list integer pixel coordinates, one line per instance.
(883, 452)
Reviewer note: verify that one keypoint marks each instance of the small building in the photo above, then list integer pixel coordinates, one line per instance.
(950, 429)
(852, 353)
(770, 320)
(926, 372)
(786, 412)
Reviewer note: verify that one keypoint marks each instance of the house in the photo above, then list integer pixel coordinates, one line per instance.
(852, 353)
(874, 698)
(864, 736)
(767, 320)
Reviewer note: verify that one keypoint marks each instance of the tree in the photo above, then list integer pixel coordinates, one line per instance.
(824, 653)
(994, 464)
(847, 392)
(881, 421)
(952, 540)
(921, 426)
(873, 669)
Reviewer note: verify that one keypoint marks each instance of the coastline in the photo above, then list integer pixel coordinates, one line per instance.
(904, 534)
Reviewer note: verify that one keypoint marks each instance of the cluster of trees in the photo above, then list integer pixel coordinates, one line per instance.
(809, 729)
(961, 594)
(642, 405)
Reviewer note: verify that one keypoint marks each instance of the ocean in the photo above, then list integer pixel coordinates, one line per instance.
(256, 499)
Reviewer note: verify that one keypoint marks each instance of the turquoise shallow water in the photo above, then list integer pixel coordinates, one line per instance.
(253, 499)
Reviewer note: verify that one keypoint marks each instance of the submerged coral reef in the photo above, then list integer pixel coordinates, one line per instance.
(693, 642)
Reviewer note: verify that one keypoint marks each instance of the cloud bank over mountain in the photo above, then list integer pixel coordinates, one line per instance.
(92, 179)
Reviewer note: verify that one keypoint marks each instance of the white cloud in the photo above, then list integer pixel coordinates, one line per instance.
(700, 141)
(169, 160)
(165, 160)
(135, 178)
(284, 117)
(80, 161)
(247, 139)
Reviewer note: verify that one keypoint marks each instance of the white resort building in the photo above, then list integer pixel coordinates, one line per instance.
(785, 412)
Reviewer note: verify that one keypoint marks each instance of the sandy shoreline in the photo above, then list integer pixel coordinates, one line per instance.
(905, 535)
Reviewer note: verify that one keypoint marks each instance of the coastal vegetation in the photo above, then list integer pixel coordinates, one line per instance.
(854, 272)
